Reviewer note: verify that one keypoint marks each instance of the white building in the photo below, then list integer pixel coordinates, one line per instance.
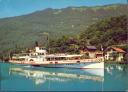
(114, 53)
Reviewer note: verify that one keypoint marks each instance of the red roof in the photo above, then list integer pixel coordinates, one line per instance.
(118, 49)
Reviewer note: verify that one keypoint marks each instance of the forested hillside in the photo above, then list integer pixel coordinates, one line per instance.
(23, 31)
(107, 32)
(110, 31)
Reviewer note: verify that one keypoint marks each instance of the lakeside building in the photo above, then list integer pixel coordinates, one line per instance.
(92, 52)
(114, 54)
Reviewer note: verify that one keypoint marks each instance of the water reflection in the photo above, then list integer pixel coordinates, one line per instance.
(43, 75)
(109, 68)
(27, 78)
(117, 72)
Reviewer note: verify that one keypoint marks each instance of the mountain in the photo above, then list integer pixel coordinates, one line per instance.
(23, 31)
(107, 32)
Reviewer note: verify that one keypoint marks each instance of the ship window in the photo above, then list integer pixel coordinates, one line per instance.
(40, 48)
(78, 61)
(42, 53)
(56, 62)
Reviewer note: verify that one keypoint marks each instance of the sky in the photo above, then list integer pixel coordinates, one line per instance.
(11, 8)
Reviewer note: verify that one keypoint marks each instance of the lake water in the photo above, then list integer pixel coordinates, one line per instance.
(25, 78)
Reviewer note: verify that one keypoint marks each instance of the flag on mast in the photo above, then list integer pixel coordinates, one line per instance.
(102, 48)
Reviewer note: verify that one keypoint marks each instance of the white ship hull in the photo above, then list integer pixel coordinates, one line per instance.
(64, 64)
(83, 65)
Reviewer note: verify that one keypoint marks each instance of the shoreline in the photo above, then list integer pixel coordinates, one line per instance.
(115, 62)
(106, 62)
